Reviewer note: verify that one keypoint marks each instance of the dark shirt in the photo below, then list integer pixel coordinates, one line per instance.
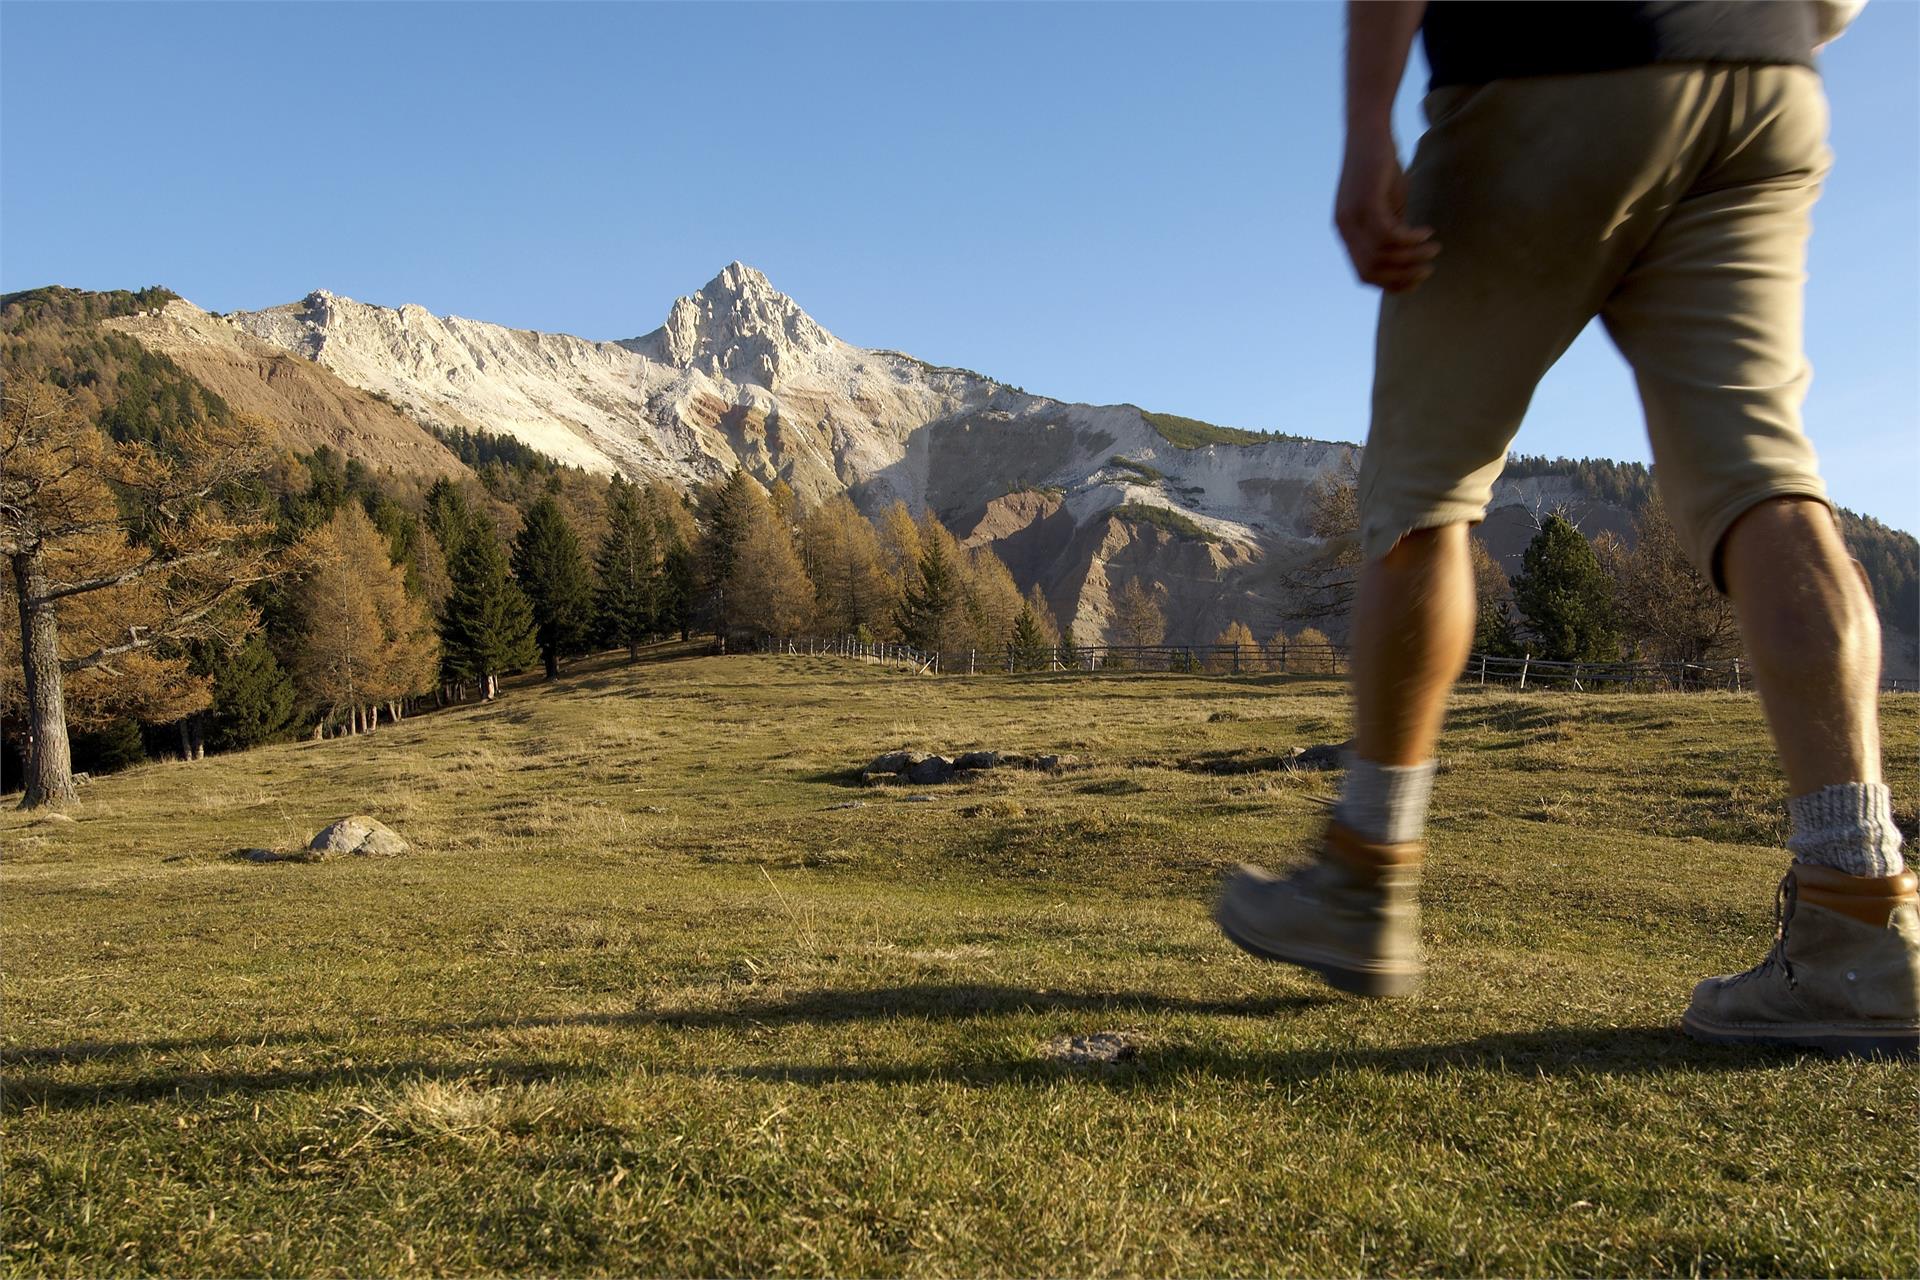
(1473, 41)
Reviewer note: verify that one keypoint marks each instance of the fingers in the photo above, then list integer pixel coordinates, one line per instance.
(1392, 255)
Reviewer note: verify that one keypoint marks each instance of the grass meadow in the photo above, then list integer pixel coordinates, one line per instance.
(663, 990)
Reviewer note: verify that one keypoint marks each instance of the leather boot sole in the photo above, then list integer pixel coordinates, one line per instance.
(1355, 974)
(1853, 1040)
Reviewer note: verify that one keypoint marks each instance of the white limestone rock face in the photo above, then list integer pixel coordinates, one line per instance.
(740, 376)
(739, 328)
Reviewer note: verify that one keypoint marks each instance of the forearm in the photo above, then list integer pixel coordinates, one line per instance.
(1379, 37)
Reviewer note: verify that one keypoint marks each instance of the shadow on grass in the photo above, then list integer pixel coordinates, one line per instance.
(1550, 1053)
(1545, 1052)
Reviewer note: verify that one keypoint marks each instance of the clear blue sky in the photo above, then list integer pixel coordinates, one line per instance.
(1097, 202)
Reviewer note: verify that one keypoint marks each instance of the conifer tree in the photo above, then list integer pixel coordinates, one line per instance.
(1069, 651)
(679, 589)
(149, 547)
(899, 543)
(254, 700)
(1322, 585)
(1565, 597)
(843, 557)
(1042, 611)
(677, 534)
(1137, 615)
(486, 625)
(1667, 608)
(363, 639)
(1237, 635)
(628, 570)
(1031, 648)
(727, 512)
(932, 600)
(1493, 594)
(449, 515)
(993, 600)
(552, 573)
(769, 591)
(1310, 652)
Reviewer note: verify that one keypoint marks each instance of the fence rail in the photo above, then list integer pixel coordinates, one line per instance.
(1284, 658)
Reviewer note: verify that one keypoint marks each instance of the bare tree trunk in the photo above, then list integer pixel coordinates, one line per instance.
(49, 755)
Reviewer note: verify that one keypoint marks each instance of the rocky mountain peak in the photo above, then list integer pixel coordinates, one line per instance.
(738, 327)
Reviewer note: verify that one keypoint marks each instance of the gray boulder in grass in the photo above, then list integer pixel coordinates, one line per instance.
(361, 836)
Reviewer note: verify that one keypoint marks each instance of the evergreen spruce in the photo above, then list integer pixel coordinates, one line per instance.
(930, 601)
(679, 589)
(1566, 597)
(726, 515)
(486, 625)
(552, 573)
(254, 700)
(629, 570)
(1031, 650)
(448, 515)
(1069, 652)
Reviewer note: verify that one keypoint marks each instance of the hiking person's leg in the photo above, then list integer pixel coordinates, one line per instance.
(1412, 627)
(1710, 317)
(1812, 639)
(1537, 211)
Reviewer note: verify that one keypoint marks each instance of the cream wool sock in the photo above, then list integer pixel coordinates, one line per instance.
(1384, 803)
(1849, 827)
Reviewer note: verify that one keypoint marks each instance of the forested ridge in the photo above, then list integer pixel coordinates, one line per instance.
(1890, 557)
(285, 593)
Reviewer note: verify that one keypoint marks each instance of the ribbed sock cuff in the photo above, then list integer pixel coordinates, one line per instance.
(1849, 827)
(1384, 803)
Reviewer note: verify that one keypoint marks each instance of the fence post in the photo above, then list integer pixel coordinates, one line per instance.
(1236, 657)
(1283, 657)
(1009, 657)
(1524, 664)
(1483, 670)
(1736, 676)
(970, 655)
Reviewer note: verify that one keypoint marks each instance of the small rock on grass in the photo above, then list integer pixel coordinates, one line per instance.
(1320, 757)
(1101, 1049)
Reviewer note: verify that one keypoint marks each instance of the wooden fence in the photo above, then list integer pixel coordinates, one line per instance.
(1285, 658)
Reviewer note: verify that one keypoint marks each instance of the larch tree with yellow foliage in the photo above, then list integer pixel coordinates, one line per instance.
(118, 553)
(365, 640)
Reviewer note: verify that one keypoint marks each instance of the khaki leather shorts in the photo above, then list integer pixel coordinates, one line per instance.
(1670, 201)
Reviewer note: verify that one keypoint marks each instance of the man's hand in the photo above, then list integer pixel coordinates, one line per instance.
(1370, 212)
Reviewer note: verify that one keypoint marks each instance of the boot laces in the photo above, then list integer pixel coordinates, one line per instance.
(1784, 899)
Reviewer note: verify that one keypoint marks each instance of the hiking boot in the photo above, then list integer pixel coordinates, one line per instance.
(1352, 915)
(1843, 974)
